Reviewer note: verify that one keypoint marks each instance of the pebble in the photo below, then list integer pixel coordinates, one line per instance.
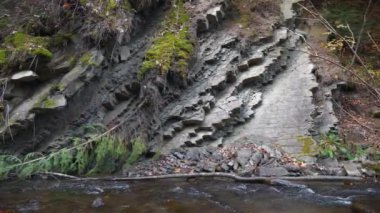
(98, 202)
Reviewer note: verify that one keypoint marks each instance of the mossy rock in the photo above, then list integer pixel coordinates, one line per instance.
(172, 50)
(18, 47)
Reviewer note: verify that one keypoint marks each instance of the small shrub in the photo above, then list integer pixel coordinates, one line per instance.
(331, 146)
(138, 149)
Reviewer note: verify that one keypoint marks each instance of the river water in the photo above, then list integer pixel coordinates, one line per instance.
(186, 196)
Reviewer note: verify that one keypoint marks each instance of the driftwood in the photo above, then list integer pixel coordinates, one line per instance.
(230, 176)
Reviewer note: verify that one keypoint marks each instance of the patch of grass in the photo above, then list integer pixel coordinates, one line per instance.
(138, 149)
(3, 56)
(172, 50)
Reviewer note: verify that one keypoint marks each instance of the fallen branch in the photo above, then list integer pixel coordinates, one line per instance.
(59, 175)
(265, 180)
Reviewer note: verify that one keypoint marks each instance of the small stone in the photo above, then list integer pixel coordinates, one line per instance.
(243, 156)
(225, 167)
(209, 167)
(369, 172)
(122, 94)
(193, 154)
(24, 76)
(231, 164)
(329, 162)
(229, 43)
(194, 118)
(272, 153)
(98, 202)
(256, 158)
(125, 53)
(272, 172)
(216, 156)
(211, 149)
(110, 102)
(236, 165)
(179, 155)
(351, 169)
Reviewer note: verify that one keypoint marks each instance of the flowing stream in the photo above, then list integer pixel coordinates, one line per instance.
(186, 196)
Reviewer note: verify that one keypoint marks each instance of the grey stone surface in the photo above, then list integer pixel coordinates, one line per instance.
(286, 108)
(110, 102)
(125, 53)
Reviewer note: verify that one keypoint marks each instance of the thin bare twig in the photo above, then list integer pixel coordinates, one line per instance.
(374, 42)
(361, 32)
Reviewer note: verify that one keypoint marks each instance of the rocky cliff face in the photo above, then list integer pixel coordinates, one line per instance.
(191, 73)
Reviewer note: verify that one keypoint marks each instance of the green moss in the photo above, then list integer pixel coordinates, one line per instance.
(88, 59)
(40, 51)
(3, 56)
(173, 48)
(307, 143)
(20, 44)
(58, 87)
(61, 38)
(138, 149)
(48, 103)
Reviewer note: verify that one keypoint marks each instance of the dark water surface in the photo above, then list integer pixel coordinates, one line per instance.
(183, 196)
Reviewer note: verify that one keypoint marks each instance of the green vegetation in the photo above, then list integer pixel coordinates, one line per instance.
(138, 149)
(88, 59)
(59, 87)
(18, 45)
(48, 103)
(172, 50)
(104, 156)
(329, 145)
(3, 56)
